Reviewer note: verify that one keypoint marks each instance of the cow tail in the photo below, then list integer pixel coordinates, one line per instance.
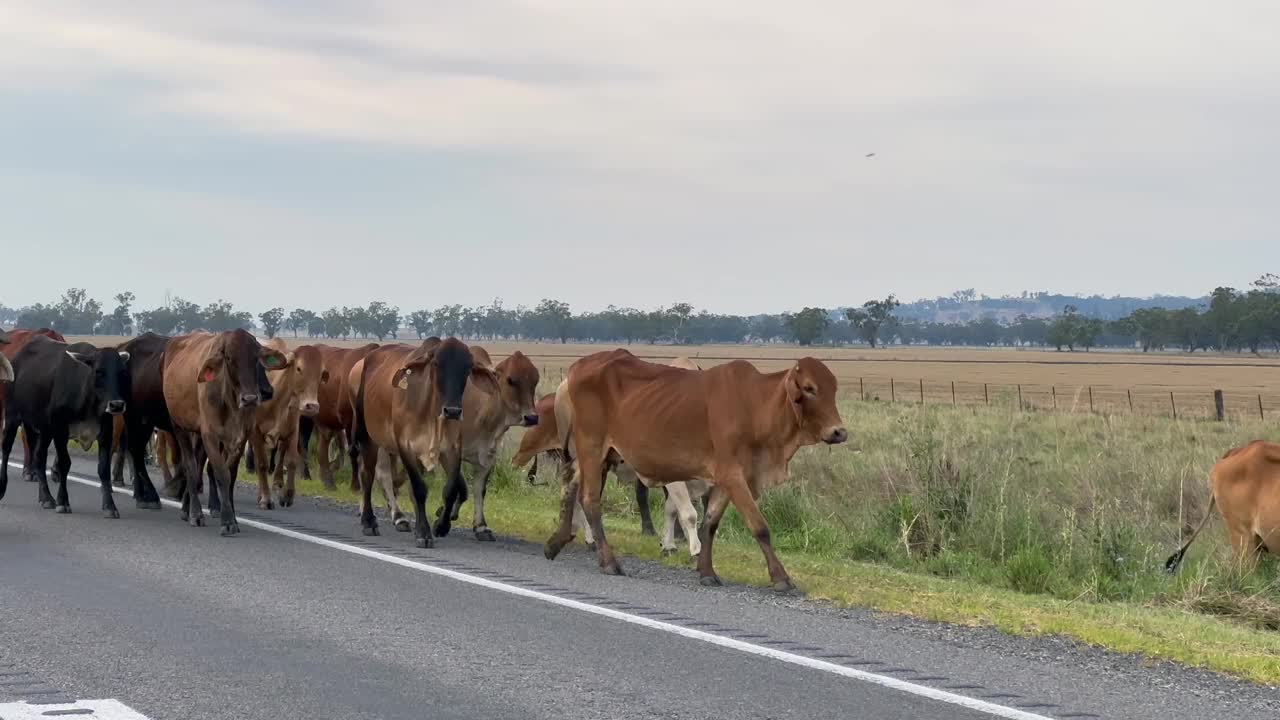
(359, 433)
(1171, 565)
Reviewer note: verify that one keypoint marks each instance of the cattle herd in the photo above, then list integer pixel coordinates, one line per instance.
(399, 411)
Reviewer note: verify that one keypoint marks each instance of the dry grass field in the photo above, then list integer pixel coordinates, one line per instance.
(1118, 381)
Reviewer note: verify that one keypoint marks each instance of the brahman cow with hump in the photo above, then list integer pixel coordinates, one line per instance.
(679, 513)
(60, 392)
(409, 405)
(731, 426)
(212, 388)
(1245, 486)
(295, 388)
(335, 420)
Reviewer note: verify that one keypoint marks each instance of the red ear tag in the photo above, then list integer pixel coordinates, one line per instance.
(208, 375)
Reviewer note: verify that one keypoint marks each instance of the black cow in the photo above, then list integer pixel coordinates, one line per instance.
(146, 411)
(58, 392)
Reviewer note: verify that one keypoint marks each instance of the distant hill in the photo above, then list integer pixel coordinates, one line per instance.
(965, 305)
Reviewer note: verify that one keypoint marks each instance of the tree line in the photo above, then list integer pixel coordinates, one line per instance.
(1231, 320)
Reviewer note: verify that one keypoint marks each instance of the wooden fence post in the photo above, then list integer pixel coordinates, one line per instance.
(1130, 394)
(1090, 398)
(953, 395)
(1054, 389)
(1218, 405)
(862, 391)
(921, 391)
(1261, 415)
(986, 396)
(893, 393)
(1019, 397)
(1173, 404)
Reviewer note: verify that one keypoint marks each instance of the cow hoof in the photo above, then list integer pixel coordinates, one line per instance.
(63, 509)
(215, 512)
(266, 505)
(424, 542)
(485, 535)
(111, 514)
(442, 528)
(229, 530)
(648, 531)
(784, 586)
(612, 569)
(46, 504)
(591, 546)
(146, 505)
(198, 521)
(668, 552)
(401, 524)
(710, 581)
(370, 531)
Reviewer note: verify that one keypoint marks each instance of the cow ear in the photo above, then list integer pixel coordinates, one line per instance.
(80, 358)
(6, 370)
(274, 359)
(210, 369)
(124, 357)
(413, 366)
(794, 392)
(324, 377)
(484, 374)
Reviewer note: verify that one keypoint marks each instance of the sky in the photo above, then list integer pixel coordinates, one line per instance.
(321, 153)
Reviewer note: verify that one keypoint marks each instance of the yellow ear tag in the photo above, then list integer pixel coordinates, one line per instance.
(404, 380)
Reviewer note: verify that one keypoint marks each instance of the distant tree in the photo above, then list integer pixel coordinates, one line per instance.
(384, 320)
(768, 328)
(421, 322)
(336, 323)
(1087, 331)
(162, 320)
(1065, 330)
(316, 326)
(78, 314)
(808, 325)
(272, 321)
(189, 316)
(679, 313)
(39, 316)
(872, 317)
(300, 319)
(120, 321)
(555, 318)
(221, 316)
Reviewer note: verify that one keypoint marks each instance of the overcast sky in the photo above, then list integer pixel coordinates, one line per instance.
(318, 153)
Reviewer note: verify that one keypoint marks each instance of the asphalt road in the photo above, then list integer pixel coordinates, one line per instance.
(304, 618)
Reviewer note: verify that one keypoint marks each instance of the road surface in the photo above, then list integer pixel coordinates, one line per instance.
(302, 617)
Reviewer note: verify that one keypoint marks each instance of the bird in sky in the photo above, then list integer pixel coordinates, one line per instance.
(871, 154)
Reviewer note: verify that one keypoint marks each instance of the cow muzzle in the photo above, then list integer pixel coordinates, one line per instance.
(310, 409)
(451, 413)
(115, 407)
(248, 399)
(531, 420)
(835, 436)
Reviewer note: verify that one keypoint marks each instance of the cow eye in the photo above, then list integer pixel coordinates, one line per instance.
(512, 382)
(811, 390)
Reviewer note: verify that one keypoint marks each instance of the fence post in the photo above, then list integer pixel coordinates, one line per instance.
(1090, 398)
(893, 393)
(1019, 397)
(862, 391)
(953, 395)
(921, 391)
(986, 396)
(1261, 416)
(1054, 389)
(1218, 403)
(1173, 404)
(1130, 394)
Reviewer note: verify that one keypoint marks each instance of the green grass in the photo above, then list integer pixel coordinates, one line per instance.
(1031, 523)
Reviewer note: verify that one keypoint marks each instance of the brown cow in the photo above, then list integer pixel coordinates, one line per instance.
(275, 426)
(212, 391)
(18, 339)
(731, 426)
(335, 421)
(1246, 489)
(408, 405)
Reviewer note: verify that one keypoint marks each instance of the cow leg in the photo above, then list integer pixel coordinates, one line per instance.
(679, 506)
(166, 444)
(28, 456)
(191, 455)
(118, 448)
(592, 487)
(39, 460)
(63, 467)
(580, 525)
(717, 502)
(6, 448)
(642, 500)
(418, 485)
(286, 471)
(107, 440)
(386, 476)
(145, 496)
(569, 484)
(533, 471)
(369, 457)
(219, 465)
(455, 487)
(322, 459)
(258, 447)
(744, 502)
(480, 487)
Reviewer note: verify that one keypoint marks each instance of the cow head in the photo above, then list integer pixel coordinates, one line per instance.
(309, 374)
(241, 362)
(811, 392)
(445, 363)
(112, 383)
(517, 379)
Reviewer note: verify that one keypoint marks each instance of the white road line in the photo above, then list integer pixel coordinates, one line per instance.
(92, 709)
(924, 691)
